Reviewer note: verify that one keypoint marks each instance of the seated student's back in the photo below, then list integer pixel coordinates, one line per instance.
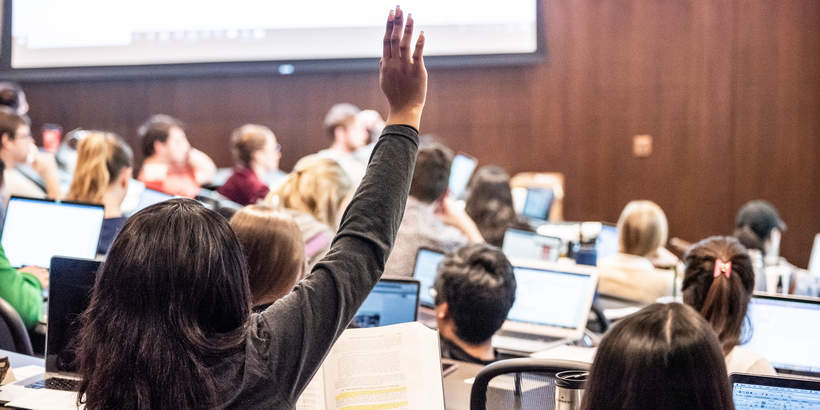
(662, 357)
(475, 290)
(273, 246)
(630, 274)
(490, 204)
(719, 282)
(314, 195)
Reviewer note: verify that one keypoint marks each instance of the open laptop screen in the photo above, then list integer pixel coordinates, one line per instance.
(786, 332)
(460, 172)
(37, 229)
(530, 245)
(551, 297)
(427, 261)
(69, 293)
(607, 243)
(772, 392)
(538, 203)
(389, 303)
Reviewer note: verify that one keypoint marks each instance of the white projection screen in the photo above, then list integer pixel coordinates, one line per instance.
(49, 38)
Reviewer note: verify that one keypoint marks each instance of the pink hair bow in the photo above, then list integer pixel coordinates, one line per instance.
(723, 267)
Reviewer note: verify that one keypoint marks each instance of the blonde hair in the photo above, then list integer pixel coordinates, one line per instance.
(317, 186)
(101, 157)
(248, 139)
(274, 249)
(642, 228)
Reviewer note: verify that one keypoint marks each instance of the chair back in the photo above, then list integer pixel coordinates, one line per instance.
(525, 383)
(13, 334)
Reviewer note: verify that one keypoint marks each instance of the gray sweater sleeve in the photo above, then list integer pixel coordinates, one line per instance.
(302, 327)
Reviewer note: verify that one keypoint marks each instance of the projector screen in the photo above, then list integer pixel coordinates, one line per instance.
(49, 34)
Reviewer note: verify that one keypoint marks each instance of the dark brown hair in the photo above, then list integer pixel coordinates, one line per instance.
(662, 357)
(490, 204)
(431, 177)
(722, 301)
(156, 129)
(170, 302)
(11, 121)
(274, 249)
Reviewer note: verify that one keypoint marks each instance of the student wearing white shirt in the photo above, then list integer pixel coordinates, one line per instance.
(348, 135)
(718, 282)
(17, 148)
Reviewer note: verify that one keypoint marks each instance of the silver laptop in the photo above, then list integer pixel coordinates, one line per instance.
(525, 245)
(552, 305)
(774, 392)
(34, 230)
(785, 331)
(71, 281)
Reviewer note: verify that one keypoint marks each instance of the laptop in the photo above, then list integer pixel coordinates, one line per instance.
(460, 172)
(552, 305)
(425, 270)
(69, 294)
(607, 243)
(537, 204)
(814, 262)
(525, 245)
(785, 331)
(390, 302)
(34, 230)
(774, 392)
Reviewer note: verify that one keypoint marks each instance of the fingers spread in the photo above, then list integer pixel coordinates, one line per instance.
(386, 53)
(395, 37)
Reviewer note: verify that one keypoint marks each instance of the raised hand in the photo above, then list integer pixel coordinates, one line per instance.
(402, 75)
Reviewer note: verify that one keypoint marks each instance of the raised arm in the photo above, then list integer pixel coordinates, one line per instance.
(304, 324)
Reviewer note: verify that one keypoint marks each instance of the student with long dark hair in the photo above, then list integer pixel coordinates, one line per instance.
(490, 204)
(718, 282)
(662, 357)
(169, 324)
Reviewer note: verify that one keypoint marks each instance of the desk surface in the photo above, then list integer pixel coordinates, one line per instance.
(20, 360)
(457, 388)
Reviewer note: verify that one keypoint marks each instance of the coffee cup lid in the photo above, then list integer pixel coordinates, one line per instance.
(571, 379)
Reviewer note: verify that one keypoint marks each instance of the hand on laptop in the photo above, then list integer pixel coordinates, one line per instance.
(40, 273)
(402, 75)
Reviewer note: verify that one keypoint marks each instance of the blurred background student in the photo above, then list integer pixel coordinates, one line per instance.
(104, 167)
(490, 204)
(631, 274)
(315, 195)
(273, 246)
(256, 153)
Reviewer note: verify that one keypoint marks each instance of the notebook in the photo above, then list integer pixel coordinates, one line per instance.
(391, 301)
(785, 331)
(34, 230)
(774, 392)
(425, 270)
(552, 305)
(531, 246)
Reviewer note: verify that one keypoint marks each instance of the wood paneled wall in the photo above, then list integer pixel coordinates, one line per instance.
(728, 89)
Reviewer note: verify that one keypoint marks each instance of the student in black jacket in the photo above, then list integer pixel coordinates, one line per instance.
(169, 325)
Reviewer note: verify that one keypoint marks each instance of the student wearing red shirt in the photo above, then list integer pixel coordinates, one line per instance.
(171, 165)
(257, 154)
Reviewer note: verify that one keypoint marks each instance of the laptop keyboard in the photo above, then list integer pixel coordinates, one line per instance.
(527, 343)
(56, 383)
